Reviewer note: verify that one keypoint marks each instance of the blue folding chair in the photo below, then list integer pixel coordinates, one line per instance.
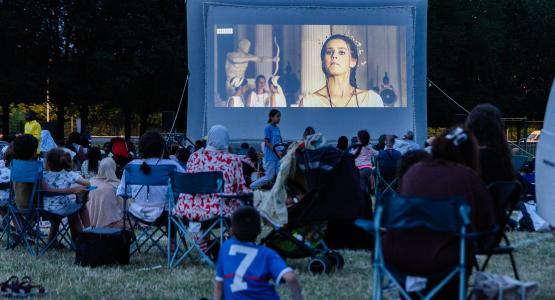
(137, 182)
(196, 183)
(448, 215)
(27, 173)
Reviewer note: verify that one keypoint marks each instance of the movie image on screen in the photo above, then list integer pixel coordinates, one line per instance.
(307, 66)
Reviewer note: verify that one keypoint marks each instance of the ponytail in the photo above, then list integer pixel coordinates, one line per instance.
(145, 168)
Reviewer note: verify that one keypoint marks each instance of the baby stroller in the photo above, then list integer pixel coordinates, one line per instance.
(120, 154)
(327, 182)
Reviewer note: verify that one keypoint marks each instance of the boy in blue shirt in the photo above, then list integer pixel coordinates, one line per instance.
(244, 269)
(272, 136)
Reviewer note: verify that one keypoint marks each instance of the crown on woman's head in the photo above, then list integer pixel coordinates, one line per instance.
(355, 41)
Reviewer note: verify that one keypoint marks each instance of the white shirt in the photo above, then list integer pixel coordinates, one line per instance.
(259, 100)
(157, 194)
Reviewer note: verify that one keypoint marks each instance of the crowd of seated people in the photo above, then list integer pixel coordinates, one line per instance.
(463, 160)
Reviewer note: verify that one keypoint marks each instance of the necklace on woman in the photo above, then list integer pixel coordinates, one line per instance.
(346, 103)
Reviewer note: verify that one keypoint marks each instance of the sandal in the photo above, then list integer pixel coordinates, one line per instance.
(26, 288)
(9, 287)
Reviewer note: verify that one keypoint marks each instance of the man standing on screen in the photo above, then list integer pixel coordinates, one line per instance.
(237, 62)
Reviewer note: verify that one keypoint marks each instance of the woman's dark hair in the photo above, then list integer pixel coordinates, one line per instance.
(151, 145)
(363, 137)
(409, 159)
(308, 131)
(246, 224)
(272, 113)
(489, 129)
(58, 160)
(94, 156)
(485, 122)
(342, 143)
(354, 54)
(258, 77)
(243, 83)
(25, 147)
(458, 145)
(251, 153)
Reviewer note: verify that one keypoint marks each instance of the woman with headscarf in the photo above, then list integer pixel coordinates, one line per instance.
(47, 142)
(105, 208)
(215, 157)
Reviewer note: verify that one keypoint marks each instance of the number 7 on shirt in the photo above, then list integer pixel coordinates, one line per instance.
(250, 253)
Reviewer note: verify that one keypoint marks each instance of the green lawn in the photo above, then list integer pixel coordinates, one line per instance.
(143, 280)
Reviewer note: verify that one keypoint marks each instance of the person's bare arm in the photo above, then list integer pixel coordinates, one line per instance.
(236, 59)
(218, 290)
(83, 181)
(294, 285)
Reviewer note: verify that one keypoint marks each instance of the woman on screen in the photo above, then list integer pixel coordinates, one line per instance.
(259, 97)
(240, 86)
(339, 56)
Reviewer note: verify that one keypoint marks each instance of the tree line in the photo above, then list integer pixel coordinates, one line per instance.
(126, 54)
(131, 55)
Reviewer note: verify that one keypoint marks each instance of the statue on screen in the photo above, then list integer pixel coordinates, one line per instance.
(339, 57)
(237, 62)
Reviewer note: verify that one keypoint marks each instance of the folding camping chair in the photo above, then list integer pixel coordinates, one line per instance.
(448, 215)
(196, 183)
(24, 219)
(133, 176)
(5, 225)
(385, 177)
(506, 195)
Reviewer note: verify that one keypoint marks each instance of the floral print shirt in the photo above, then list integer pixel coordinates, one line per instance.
(201, 207)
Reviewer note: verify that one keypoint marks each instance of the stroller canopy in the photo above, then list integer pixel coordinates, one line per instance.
(334, 186)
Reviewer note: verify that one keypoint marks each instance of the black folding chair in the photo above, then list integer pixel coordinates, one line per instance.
(506, 195)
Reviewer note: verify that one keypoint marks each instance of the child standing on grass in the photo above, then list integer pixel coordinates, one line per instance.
(244, 269)
(272, 136)
(59, 178)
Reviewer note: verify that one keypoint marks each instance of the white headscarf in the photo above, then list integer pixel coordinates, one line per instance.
(46, 141)
(107, 171)
(218, 138)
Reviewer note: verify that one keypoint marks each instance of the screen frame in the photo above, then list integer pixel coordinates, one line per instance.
(199, 106)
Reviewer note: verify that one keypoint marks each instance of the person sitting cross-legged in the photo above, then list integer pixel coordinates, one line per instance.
(244, 269)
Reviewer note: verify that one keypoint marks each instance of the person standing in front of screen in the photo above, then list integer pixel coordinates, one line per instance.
(240, 86)
(339, 56)
(237, 62)
(259, 97)
(272, 136)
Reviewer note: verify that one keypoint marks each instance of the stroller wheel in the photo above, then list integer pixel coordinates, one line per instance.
(335, 259)
(319, 265)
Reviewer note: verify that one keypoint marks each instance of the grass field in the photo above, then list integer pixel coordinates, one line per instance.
(142, 279)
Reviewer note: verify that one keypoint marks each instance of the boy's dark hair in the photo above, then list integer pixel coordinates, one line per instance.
(342, 143)
(245, 224)
(272, 113)
(58, 160)
(25, 147)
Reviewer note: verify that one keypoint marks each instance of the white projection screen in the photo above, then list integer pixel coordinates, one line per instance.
(337, 69)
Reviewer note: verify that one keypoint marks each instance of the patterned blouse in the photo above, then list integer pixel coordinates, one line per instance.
(201, 207)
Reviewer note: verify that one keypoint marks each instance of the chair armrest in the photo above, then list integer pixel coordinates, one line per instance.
(367, 225)
(235, 195)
